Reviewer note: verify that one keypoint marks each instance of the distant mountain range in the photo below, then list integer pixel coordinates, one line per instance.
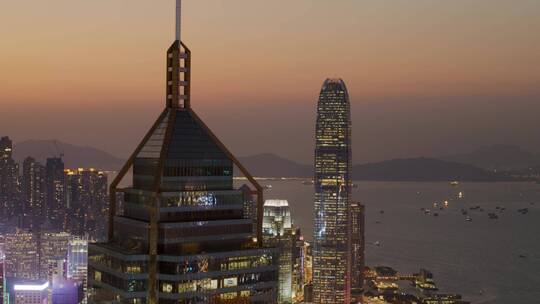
(407, 169)
(74, 156)
(497, 157)
(463, 167)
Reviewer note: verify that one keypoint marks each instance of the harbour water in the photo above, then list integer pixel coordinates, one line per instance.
(487, 260)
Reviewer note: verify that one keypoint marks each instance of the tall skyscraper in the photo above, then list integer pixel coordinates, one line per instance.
(182, 236)
(86, 201)
(357, 218)
(33, 184)
(279, 232)
(9, 180)
(55, 192)
(331, 244)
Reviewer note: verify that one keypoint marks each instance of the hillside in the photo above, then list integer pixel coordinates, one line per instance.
(497, 157)
(74, 156)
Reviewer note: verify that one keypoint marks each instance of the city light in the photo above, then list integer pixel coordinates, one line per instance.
(31, 287)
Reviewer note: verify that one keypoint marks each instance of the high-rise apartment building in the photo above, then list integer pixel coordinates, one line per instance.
(357, 224)
(279, 232)
(182, 236)
(33, 185)
(9, 180)
(55, 192)
(331, 244)
(86, 201)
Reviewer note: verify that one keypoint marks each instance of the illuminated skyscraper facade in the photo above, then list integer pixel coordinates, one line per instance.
(22, 255)
(357, 218)
(33, 184)
(9, 180)
(55, 192)
(331, 244)
(278, 232)
(53, 246)
(2, 278)
(182, 236)
(77, 263)
(86, 199)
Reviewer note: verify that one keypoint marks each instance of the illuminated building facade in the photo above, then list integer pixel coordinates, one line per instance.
(53, 247)
(77, 262)
(9, 180)
(2, 278)
(86, 200)
(36, 292)
(278, 232)
(298, 259)
(331, 245)
(182, 236)
(66, 292)
(357, 218)
(55, 192)
(33, 185)
(22, 256)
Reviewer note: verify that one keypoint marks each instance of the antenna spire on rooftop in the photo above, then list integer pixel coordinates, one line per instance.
(178, 19)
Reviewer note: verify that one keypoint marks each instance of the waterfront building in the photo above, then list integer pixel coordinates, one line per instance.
(86, 201)
(55, 192)
(331, 244)
(9, 180)
(22, 255)
(357, 218)
(279, 232)
(33, 185)
(183, 236)
(31, 292)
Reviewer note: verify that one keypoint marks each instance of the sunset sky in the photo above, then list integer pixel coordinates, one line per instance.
(425, 77)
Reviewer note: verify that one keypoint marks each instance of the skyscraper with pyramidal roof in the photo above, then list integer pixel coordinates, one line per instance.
(183, 235)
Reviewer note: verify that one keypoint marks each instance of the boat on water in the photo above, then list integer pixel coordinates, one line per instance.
(523, 211)
(468, 219)
(268, 187)
(493, 216)
(377, 243)
(308, 183)
(454, 183)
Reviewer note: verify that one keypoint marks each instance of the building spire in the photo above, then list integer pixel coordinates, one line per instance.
(178, 20)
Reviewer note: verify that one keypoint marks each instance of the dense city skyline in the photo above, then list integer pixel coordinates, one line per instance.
(427, 78)
(179, 218)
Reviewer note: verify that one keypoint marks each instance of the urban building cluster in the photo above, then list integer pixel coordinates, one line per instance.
(35, 197)
(45, 267)
(48, 214)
